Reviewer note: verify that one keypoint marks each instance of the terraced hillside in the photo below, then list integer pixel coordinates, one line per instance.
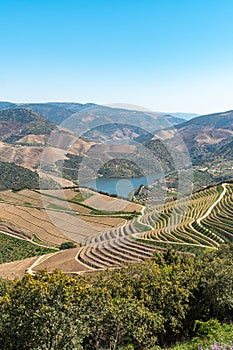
(183, 223)
(220, 219)
(54, 216)
(41, 220)
(202, 221)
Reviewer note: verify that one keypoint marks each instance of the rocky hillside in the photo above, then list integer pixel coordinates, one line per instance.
(207, 129)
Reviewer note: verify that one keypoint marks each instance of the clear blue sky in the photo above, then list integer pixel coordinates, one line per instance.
(166, 55)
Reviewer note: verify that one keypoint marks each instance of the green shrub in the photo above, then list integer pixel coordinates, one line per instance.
(67, 245)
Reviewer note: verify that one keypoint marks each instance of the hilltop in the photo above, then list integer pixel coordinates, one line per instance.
(207, 139)
(56, 112)
(26, 137)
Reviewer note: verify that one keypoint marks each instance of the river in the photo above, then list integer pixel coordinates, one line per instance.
(119, 186)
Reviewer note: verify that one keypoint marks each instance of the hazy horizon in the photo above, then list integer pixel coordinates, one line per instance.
(115, 105)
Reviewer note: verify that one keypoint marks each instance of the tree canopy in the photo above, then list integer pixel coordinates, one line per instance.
(139, 306)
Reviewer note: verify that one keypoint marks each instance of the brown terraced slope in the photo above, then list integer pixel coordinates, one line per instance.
(202, 221)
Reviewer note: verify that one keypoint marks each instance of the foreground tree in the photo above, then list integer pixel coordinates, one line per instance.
(139, 306)
(42, 312)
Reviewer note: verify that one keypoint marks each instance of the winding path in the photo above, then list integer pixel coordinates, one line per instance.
(213, 205)
(39, 261)
(141, 216)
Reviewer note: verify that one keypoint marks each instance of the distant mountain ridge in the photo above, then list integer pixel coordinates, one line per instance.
(7, 105)
(24, 133)
(208, 139)
(83, 117)
(202, 130)
(109, 122)
(106, 123)
(183, 115)
(56, 112)
(207, 129)
(217, 120)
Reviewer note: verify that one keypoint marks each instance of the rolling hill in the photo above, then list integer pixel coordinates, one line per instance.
(16, 177)
(109, 232)
(116, 124)
(209, 139)
(23, 135)
(98, 122)
(56, 112)
(7, 105)
(25, 139)
(207, 129)
(206, 138)
(17, 123)
(202, 221)
(213, 153)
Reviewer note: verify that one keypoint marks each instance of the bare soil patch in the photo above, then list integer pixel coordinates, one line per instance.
(65, 261)
(103, 202)
(16, 269)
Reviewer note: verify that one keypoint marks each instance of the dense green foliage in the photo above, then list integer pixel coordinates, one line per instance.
(70, 167)
(140, 306)
(12, 249)
(16, 123)
(67, 245)
(210, 335)
(15, 177)
(120, 168)
(162, 153)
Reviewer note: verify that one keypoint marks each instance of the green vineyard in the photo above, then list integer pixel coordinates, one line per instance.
(201, 221)
(191, 221)
(16, 249)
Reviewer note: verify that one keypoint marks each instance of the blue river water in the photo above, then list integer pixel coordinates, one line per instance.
(119, 186)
